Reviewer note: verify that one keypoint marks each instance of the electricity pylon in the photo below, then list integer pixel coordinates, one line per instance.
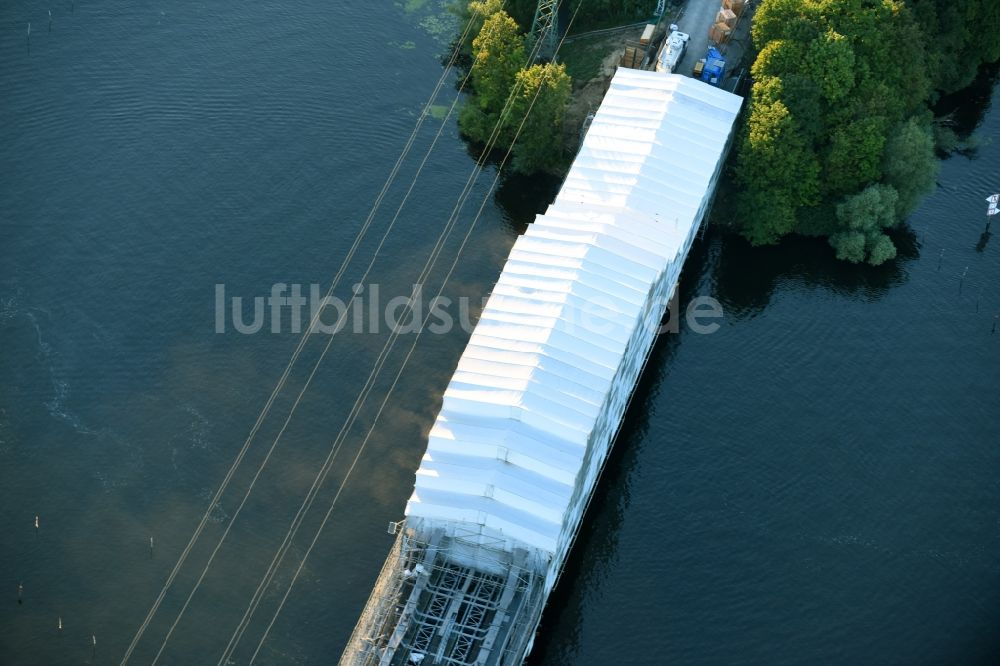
(545, 29)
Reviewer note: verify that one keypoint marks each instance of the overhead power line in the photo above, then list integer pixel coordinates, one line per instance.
(399, 373)
(298, 350)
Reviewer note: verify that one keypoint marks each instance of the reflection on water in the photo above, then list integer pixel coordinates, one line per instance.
(984, 240)
(967, 108)
(746, 277)
(796, 481)
(522, 197)
(811, 479)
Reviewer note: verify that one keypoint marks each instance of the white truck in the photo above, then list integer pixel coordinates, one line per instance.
(672, 51)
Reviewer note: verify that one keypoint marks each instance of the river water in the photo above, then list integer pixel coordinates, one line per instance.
(816, 482)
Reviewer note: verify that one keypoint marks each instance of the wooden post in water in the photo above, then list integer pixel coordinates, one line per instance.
(20, 586)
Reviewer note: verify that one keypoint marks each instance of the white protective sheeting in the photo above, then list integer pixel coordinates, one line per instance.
(539, 392)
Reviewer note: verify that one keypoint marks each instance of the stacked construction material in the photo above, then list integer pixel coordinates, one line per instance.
(719, 33)
(725, 21)
(736, 6)
(632, 57)
(647, 34)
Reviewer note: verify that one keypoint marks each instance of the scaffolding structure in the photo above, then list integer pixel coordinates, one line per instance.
(454, 599)
(531, 413)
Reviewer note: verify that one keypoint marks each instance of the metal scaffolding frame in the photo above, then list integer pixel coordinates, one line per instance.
(545, 28)
(456, 599)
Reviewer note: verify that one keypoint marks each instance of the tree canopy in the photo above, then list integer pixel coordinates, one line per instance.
(540, 103)
(498, 55)
(515, 105)
(862, 218)
(960, 35)
(838, 117)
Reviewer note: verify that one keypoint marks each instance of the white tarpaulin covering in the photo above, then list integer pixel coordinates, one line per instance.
(539, 392)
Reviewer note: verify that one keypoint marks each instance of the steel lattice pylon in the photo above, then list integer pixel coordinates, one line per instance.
(545, 28)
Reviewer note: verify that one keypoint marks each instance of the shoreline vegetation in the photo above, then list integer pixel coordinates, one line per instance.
(498, 53)
(838, 139)
(506, 86)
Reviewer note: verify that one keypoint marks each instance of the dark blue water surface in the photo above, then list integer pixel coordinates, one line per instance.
(817, 482)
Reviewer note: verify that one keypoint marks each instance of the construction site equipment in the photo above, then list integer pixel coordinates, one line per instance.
(672, 51)
(714, 69)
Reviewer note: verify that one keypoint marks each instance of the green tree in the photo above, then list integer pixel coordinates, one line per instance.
(779, 170)
(521, 11)
(476, 14)
(498, 55)
(862, 219)
(880, 250)
(872, 209)
(776, 19)
(839, 90)
(855, 157)
(959, 36)
(779, 58)
(910, 163)
(804, 99)
(830, 60)
(484, 9)
(850, 246)
(514, 107)
(542, 93)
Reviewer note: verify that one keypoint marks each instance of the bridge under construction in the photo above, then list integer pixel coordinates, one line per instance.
(533, 408)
